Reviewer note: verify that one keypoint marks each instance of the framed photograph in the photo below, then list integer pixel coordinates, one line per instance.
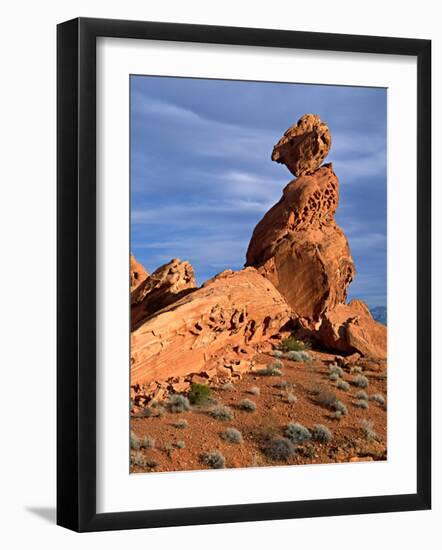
(243, 274)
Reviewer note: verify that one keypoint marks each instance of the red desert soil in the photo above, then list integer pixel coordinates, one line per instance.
(273, 413)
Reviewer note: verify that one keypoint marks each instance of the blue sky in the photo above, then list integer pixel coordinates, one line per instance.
(202, 177)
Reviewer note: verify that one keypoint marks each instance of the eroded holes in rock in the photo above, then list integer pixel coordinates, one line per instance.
(266, 324)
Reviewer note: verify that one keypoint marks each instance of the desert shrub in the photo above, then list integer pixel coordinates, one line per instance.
(178, 403)
(271, 370)
(144, 442)
(367, 430)
(333, 376)
(291, 398)
(282, 385)
(247, 405)
(228, 386)
(340, 407)
(356, 370)
(180, 444)
(232, 435)
(181, 424)
(362, 404)
(292, 344)
(222, 413)
(254, 390)
(138, 459)
(199, 394)
(297, 433)
(277, 353)
(298, 356)
(335, 369)
(360, 381)
(321, 433)
(146, 412)
(279, 448)
(214, 459)
(337, 415)
(343, 385)
(378, 398)
(361, 394)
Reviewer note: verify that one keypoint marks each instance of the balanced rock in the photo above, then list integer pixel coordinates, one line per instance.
(232, 311)
(350, 328)
(137, 273)
(299, 247)
(304, 146)
(166, 285)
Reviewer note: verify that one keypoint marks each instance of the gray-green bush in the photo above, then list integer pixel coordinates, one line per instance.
(361, 394)
(279, 449)
(336, 369)
(360, 381)
(299, 356)
(222, 413)
(367, 430)
(297, 433)
(378, 398)
(321, 433)
(361, 404)
(270, 370)
(232, 435)
(178, 403)
(181, 424)
(247, 405)
(144, 442)
(214, 459)
(254, 390)
(343, 385)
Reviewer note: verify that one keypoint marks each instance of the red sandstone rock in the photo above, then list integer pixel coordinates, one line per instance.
(195, 333)
(303, 146)
(137, 273)
(350, 328)
(166, 285)
(299, 247)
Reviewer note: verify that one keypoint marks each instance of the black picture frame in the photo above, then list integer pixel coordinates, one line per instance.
(76, 274)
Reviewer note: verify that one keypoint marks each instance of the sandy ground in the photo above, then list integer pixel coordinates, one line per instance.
(273, 413)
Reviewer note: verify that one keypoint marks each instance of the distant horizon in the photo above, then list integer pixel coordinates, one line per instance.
(202, 177)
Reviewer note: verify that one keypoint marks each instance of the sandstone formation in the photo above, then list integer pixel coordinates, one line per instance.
(299, 247)
(303, 146)
(166, 285)
(350, 328)
(137, 273)
(227, 318)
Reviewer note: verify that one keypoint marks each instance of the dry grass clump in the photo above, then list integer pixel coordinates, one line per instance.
(178, 403)
(361, 404)
(291, 398)
(333, 376)
(138, 459)
(247, 405)
(254, 390)
(299, 356)
(181, 424)
(144, 442)
(232, 435)
(214, 459)
(361, 395)
(279, 449)
(343, 385)
(378, 398)
(222, 413)
(356, 370)
(228, 386)
(360, 381)
(368, 431)
(335, 369)
(321, 433)
(297, 433)
(180, 444)
(271, 370)
(329, 400)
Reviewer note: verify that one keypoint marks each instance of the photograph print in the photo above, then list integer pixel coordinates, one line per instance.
(258, 274)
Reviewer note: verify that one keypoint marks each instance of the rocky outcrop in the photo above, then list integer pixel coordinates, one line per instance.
(299, 247)
(350, 328)
(304, 146)
(166, 285)
(137, 273)
(230, 315)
